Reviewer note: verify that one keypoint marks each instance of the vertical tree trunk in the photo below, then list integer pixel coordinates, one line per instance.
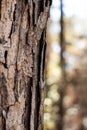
(22, 41)
(62, 63)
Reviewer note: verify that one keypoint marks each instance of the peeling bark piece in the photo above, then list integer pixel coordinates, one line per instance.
(2, 54)
(14, 117)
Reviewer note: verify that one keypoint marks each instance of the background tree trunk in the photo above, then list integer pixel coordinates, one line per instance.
(22, 46)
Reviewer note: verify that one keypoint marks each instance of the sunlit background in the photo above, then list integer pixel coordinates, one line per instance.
(65, 105)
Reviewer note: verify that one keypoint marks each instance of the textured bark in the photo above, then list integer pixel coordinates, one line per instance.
(22, 40)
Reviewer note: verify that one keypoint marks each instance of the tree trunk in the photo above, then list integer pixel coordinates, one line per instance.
(22, 46)
(62, 64)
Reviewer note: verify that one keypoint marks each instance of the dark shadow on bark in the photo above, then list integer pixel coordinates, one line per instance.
(0, 8)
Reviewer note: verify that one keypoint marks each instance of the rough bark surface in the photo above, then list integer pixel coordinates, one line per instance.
(22, 41)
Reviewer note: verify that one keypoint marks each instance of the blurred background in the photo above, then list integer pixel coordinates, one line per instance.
(65, 105)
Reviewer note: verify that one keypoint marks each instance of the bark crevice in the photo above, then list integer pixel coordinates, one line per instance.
(0, 8)
(5, 55)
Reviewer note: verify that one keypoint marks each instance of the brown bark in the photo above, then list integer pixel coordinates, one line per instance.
(22, 30)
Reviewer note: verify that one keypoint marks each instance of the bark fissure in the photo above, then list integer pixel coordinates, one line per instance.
(12, 27)
(3, 101)
(37, 36)
(0, 8)
(5, 55)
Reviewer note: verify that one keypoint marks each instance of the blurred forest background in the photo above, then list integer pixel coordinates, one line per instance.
(65, 105)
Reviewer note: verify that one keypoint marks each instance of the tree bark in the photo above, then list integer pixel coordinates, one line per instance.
(22, 41)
